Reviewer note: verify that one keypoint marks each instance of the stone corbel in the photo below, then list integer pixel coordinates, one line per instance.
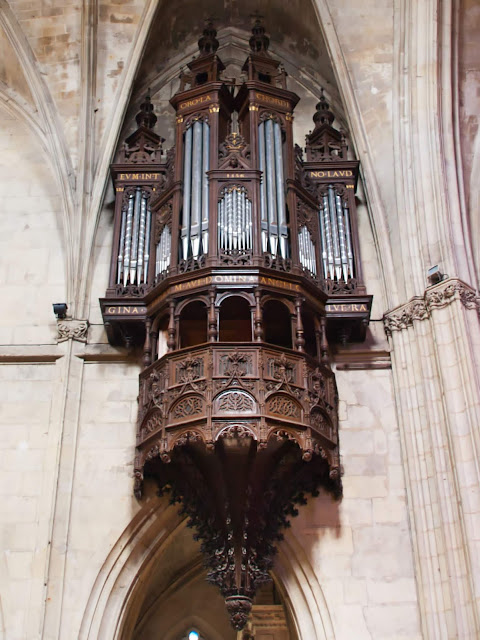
(438, 296)
(71, 329)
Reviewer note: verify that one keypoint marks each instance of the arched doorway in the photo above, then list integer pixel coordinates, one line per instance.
(153, 582)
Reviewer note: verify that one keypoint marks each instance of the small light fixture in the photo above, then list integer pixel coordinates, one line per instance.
(434, 275)
(60, 310)
(193, 635)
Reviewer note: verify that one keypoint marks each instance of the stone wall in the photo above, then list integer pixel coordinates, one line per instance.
(399, 556)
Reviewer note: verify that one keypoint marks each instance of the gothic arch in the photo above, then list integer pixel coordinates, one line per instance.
(231, 38)
(53, 138)
(116, 597)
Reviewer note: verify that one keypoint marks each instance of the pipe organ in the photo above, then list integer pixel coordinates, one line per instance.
(236, 265)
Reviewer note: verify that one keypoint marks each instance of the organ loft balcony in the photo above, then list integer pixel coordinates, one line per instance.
(235, 264)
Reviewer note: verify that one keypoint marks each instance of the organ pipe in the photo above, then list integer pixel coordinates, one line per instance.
(206, 166)
(134, 244)
(272, 192)
(121, 247)
(194, 228)
(336, 237)
(187, 191)
(263, 188)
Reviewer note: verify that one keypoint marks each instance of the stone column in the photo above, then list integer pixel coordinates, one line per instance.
(435, 342)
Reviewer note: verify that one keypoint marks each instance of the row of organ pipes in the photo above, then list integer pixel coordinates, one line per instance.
(234, 216)
(235, 228)
(336, 237)
(134, 249)
(234, 221)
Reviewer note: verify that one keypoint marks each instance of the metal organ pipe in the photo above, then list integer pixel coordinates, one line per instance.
(341, 237)
(146, 260)
(336, 237)
(282, 221)
(141, 237)
(271, 187)
(121, 247)
(272, 192)
(263, 187)
(348, 234)
(194, 229)
(205, 168)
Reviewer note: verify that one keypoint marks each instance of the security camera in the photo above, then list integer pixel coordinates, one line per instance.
(60, 310)
(434, 275)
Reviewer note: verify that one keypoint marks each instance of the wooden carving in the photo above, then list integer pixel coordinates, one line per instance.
(235, 261)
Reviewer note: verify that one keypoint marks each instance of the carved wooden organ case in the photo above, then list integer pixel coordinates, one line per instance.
(235, 262)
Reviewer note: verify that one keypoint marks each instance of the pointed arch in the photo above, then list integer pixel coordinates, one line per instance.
(107, 146)
(58, 154)
(116, 597)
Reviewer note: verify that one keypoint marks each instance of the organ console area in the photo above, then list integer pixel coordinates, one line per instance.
(235, 195)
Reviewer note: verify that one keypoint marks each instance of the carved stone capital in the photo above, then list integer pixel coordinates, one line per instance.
(403, 317)
(436, 297)
(453, 289)
(72, 330)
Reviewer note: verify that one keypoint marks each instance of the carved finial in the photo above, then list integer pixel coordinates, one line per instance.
(323, 114)
(208, 43)
(259, 42)
(146, 117)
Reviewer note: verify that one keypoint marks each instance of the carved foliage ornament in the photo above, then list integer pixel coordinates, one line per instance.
(283, 406)
(72, 330)
(419, 308)
(235, 402)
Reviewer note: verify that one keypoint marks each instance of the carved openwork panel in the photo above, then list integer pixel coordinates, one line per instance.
(151, 423)
(235, 364)
(188, 407)
(234, 402)
(280, 404)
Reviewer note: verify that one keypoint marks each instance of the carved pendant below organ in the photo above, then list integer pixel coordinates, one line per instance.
(235, 261)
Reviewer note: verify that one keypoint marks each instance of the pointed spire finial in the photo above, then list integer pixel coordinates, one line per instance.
(146, 117)
(323, 115)
(208, 43)
(259, 42)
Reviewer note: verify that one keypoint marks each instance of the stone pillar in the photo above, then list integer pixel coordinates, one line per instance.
(435, 342)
